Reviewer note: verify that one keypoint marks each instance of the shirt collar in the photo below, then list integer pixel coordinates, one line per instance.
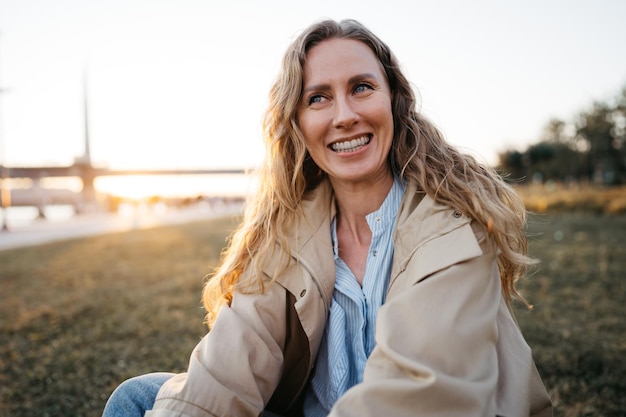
(380, 219)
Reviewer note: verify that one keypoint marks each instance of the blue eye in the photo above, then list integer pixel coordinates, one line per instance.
(315, 99)
(361, 87)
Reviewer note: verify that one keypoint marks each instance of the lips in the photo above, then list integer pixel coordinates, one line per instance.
(350, 145)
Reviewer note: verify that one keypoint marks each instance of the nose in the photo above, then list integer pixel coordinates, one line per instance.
(345, 114)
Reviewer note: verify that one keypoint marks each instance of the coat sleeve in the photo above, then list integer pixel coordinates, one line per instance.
(236, 367)
(436, 346)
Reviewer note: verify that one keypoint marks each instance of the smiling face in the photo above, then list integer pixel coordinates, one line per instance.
(345, 112)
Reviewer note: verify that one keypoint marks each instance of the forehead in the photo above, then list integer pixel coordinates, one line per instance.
(338, 57)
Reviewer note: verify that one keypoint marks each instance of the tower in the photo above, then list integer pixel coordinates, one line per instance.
(5, 192)
(83, 162)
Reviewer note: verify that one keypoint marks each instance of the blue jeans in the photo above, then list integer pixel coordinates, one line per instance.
(137, 395)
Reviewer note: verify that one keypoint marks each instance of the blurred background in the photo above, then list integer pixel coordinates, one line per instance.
(146, 87)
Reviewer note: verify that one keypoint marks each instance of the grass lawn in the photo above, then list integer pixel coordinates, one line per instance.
(78, 317)
(577, 328)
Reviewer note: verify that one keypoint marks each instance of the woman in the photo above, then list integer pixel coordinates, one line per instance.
(374, 269)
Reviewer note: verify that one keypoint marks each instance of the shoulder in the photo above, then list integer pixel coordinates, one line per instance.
(430, 237)
(422, 221)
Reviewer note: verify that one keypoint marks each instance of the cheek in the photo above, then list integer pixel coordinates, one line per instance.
(379, 111)
(387, 112)
(386, 117)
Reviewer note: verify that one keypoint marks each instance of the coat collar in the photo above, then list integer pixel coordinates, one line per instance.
(421, 219)
(434, 231)
(313, 239)
(419, 224)
(310, 244)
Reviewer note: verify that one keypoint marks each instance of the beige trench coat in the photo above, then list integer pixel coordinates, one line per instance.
(447, 344)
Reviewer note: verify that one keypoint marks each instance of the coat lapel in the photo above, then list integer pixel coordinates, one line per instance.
(431, 236)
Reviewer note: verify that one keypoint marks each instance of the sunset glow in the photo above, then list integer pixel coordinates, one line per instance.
(182, 84)
(139, 187)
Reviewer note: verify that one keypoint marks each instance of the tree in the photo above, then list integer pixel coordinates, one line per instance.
(602, 128)
(592, 147)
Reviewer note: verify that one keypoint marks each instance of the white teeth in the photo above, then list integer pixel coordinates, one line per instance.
(350, 145)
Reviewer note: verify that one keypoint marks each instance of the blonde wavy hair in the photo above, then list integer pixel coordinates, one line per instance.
(418, 153)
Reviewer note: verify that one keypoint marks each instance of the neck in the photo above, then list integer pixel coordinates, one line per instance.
(355, 201)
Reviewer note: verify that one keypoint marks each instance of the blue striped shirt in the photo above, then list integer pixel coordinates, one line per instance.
(349, 334)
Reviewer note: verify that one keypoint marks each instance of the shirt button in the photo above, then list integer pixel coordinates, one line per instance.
(302, 293)
(374, 253)
(457, 214)
(377, 218)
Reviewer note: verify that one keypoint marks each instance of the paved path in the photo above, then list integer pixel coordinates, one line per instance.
(42, 231)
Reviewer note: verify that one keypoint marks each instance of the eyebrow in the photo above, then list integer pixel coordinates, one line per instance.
(326, 87)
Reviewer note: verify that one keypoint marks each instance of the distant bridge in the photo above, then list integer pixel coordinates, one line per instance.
(83, 168)
(39, 197)
(86, 171)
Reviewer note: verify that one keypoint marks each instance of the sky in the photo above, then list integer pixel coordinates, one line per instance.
(183, 84)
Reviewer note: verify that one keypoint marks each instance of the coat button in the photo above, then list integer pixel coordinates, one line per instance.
(457, 214)
(302, 293)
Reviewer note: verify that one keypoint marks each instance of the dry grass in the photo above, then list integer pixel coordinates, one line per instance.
(555, 197)
(80, 316)
(577, 327)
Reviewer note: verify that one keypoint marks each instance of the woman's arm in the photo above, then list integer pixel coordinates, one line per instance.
(236, 367)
